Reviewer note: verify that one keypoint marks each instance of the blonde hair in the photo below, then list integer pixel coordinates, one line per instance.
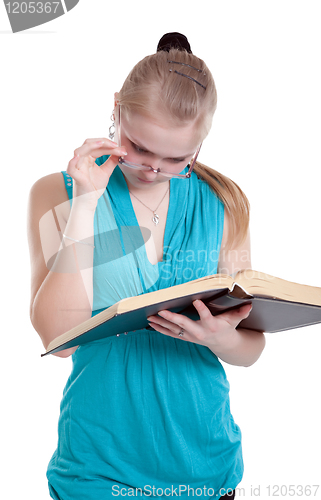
(234, 199)
(153, 90)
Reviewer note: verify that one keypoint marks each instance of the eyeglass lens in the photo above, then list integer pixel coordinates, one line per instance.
(163, 171)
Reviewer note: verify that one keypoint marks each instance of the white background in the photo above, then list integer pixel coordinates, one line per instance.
(57, 85)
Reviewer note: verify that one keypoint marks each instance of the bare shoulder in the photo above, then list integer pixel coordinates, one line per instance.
(48, 193)
(49, 189)
(48, 204)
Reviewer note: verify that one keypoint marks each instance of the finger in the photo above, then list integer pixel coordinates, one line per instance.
(175, 321)
(98, 139)
(109, 165)
(166, 331)
(170, 325)
(236, 316)
(99, 147)
(78, 164)
(203, 311)
(72, 165)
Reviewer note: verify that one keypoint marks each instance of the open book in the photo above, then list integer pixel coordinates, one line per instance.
(277, 305)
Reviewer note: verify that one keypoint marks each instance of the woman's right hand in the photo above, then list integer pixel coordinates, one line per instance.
(90, 179)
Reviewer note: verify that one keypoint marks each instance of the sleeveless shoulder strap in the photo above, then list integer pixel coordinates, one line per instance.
(68, 185)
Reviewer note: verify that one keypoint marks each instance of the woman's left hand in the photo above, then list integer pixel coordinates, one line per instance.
(211, 331)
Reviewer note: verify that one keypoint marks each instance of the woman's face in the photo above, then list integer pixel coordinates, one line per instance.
(155, 144)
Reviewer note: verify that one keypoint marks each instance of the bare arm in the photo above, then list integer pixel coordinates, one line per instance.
(61, 272)
(60, 292)
(243, 347)
(236, 346)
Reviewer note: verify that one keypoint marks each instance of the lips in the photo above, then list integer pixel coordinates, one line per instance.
(144, 180)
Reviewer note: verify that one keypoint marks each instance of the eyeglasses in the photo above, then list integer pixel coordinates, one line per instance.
(162, 171)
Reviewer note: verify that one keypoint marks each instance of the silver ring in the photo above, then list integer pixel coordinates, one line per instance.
(181, 333)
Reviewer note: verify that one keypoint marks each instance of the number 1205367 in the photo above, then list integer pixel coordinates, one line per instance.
(292, 490)
(32, 7)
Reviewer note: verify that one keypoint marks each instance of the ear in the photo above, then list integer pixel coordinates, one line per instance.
(115, 99)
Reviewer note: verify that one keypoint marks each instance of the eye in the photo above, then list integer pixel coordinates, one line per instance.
(177, 160)
(138, 148)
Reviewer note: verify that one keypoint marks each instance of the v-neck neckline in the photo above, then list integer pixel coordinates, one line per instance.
(124, 202)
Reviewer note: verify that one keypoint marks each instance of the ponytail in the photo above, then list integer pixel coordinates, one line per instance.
(234, 200)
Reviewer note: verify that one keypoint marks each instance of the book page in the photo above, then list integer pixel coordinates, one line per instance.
(259, 283)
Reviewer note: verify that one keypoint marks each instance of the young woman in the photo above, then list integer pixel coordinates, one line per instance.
(145, 412)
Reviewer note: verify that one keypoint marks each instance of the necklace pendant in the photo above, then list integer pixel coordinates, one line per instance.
(155, 219)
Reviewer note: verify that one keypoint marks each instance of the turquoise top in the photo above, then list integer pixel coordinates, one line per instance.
(142, 409)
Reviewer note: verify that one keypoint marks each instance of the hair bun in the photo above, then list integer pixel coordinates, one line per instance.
(174, 41)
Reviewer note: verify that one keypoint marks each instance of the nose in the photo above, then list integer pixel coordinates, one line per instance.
(153, 164)
(152, 173)
(155, 170)
(149, 175)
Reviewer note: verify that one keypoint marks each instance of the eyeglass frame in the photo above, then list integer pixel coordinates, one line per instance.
(137, 166)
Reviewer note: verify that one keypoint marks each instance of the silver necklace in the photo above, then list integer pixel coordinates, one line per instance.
(155, 217)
